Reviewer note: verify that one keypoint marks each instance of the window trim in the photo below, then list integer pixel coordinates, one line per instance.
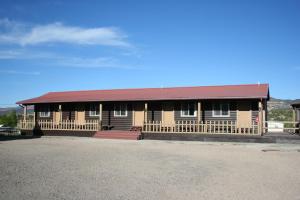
(195, 110)
(126, 111)
(90, 111)
(43, 114)
(221, 105)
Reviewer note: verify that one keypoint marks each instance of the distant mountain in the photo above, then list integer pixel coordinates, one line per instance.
(274, 103)
(18, 109)
(3, 111)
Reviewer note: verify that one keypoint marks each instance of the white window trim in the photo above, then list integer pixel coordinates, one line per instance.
(126, 112)
(182, 113)
(90, 112)
(221, 115)
(45, 113)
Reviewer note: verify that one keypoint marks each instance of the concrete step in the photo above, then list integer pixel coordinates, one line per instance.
(130, 135)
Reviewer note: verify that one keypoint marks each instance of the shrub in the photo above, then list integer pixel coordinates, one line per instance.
(9, 119)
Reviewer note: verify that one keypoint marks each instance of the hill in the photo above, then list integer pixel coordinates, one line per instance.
(274, 103)
(18, 109)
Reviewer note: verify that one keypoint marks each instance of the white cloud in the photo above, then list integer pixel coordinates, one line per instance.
(51, 59)
(23, 54)
(14, 72)
(98, 62)
(9, 54)
(22, 34)
(86, 62)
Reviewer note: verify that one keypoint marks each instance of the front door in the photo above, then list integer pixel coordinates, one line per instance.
(168, 114)
(244, 115)
(138, 115)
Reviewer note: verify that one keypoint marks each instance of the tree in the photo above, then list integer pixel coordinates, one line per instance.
(9, 119)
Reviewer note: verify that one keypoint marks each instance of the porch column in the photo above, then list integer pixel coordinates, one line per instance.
(34, 117)
(294, 114)
(100, 112)
(199, 111)
(25, 113)
(294, 118)
(260, 118)
(100, 116)
(145, 112)
(60, 112)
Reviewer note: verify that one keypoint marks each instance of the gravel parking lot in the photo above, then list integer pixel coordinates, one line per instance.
(88, 168)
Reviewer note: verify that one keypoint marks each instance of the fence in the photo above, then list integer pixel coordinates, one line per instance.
(202, 127)
(87, 125)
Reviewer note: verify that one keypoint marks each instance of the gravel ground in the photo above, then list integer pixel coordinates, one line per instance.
(88, 168)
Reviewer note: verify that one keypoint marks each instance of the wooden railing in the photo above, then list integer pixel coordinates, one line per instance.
(87, 125)
(26, 124)
(202, 127)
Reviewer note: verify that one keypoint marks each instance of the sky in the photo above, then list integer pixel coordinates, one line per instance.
(83, 45)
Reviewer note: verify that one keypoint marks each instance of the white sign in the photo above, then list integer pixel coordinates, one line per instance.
(275, 127)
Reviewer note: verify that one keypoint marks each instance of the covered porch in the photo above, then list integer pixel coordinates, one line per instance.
(148, 117)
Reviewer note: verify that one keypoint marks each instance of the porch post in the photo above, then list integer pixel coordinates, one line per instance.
(145, 113)
(60, 112)
(260, 118)
(264, 115)
(25, 113)
(100, 116)
(199, 111)
(34, 117)
(294, 114)
(294, 119)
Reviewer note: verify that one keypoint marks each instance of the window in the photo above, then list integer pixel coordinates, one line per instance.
(120, 110)
(188, 110)
(94, 111)
(221, 110)
(45, 112)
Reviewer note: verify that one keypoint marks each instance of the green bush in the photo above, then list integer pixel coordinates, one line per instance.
(10, 119)
(281, 115)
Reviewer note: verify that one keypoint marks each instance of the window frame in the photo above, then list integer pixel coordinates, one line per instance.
(188, 104)
(43, 114)
(91, 111)
(120, 115)
(221, 110)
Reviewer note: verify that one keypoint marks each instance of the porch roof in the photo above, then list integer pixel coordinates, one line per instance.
(247, 91)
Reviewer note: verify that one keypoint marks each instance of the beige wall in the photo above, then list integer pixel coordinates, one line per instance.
(80, 114)
(138, 114)
(244, 114)
(168, 116)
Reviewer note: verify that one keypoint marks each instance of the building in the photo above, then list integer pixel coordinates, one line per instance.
(296, 110)
(228, 109)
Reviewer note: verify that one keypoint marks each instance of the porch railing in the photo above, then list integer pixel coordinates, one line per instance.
(26, 124)
(87, 125)
(201, 127)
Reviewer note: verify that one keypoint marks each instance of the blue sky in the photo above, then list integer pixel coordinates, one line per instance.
(66, 45)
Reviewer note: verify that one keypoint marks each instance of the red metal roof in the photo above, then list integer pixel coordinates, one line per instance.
(249, 91)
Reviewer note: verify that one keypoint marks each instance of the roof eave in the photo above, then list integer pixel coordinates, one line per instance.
(28, 102)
